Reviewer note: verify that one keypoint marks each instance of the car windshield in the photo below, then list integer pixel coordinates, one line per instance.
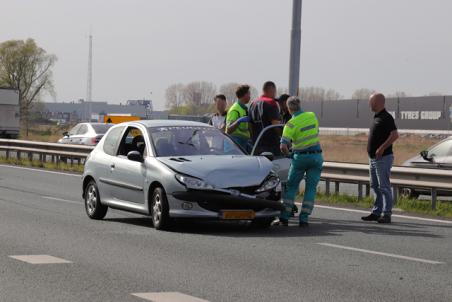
(101, 128)
(188, 140)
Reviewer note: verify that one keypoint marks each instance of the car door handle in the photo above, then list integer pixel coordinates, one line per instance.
(112, 166)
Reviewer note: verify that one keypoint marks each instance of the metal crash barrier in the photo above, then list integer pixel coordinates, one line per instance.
(45, 152)
(433, 180)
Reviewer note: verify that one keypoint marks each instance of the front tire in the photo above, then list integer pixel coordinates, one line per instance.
(262, 223)
(93, 206)
(160, 210)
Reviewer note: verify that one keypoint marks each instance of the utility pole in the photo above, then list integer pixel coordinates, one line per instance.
(89, 87)
(295, 48)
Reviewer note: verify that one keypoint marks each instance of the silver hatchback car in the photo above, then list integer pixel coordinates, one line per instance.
(179, 169)
(85, 134)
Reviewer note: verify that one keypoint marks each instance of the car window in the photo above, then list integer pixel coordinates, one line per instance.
(442, 149)
(132, 140)
(189, 140)
(82, 130)
(111, 140)
(74, 130)
(101, 128)
(260, 145)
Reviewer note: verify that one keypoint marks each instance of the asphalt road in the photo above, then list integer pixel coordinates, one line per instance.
(339, 258)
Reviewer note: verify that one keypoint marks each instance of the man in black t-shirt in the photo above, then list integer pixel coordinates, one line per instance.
(383, 133)
(265, 112)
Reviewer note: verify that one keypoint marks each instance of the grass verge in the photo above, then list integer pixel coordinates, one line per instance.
(405, 205)
(37, 164)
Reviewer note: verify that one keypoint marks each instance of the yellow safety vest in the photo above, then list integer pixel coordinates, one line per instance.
(302, 130)
(234, 113)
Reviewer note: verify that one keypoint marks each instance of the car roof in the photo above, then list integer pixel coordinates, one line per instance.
(168, 123)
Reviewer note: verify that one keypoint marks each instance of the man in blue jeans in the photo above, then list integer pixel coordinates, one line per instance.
(383, 133)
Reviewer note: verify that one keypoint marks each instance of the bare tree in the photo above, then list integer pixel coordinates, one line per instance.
(228, 90)
(199, 93)
(397, 94)
(434, 93)
(282, 90)
(28, 68)
(332, 95)
(317, 94)
(174, 95)
(362, 94)
(254, 92)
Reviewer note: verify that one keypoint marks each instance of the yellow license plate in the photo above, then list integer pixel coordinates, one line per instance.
(238, 214)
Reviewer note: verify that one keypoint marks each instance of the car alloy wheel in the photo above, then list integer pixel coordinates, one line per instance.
(94, 208)
(157, 209)
(160, 210)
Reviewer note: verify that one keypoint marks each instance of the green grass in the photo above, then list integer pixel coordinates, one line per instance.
(37, 164)
(406, 205)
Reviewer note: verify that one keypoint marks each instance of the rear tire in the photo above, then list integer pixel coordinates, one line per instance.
(262, 223)
(93, 206)
(410, 193)
(160, 210)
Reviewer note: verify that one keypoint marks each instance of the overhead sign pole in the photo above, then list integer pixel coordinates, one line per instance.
(295, 48)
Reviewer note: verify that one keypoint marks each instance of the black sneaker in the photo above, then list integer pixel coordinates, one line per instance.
(371, 217)
(384, 219)
(281, 221)
(303, 224)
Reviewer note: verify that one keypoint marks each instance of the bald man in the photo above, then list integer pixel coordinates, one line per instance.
(383, 133)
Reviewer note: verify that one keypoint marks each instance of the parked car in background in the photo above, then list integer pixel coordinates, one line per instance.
(438, 156)
(85, 134)
(177, 170)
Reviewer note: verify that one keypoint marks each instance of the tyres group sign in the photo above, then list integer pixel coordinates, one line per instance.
(427, 113)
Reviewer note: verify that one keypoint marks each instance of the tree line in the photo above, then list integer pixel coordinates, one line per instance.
(197, 97)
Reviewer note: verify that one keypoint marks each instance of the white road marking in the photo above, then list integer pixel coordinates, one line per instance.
(41, 170)
(393, 215)
(380, 253)
(61, 199)
(168, 297)
(39, 259)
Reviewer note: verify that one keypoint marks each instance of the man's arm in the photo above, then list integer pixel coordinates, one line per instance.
(284, 149)
(232, 127)
(391, 139)
(231, 121)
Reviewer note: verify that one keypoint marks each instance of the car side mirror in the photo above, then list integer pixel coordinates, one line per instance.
(425, 156)
(268, 155)
(65, 133)
(135, 156)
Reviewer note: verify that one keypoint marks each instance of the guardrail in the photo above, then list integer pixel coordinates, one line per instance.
(433, 180)
(46, 151)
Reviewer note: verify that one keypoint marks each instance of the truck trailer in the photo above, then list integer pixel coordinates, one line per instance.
(9, 113)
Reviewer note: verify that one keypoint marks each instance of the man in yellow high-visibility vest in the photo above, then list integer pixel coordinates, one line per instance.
(237, 118)
(302, 133)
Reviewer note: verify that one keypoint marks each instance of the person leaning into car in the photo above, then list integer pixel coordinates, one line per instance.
(383, 133)
(237, 118)
(302, 132)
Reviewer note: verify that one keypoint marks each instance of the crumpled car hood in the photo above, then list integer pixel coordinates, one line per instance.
(223, 171)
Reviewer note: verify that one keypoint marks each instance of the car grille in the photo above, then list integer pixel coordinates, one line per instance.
(275, 196)
(246, 190)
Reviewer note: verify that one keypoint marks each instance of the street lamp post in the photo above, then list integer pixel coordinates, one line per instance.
(295, 48)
